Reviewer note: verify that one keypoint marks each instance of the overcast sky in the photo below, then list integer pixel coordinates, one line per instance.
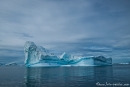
(79, 27)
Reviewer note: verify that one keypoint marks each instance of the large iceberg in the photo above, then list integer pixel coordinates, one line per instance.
(39, 56)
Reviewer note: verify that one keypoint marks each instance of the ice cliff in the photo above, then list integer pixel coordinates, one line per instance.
(34, 54)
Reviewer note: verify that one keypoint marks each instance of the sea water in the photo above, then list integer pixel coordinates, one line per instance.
(96, 76)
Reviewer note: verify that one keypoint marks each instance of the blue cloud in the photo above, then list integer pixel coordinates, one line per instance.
(24, 35)
(80, 27)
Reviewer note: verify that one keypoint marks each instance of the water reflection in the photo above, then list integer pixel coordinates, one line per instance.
(67, 76)
(33, 77)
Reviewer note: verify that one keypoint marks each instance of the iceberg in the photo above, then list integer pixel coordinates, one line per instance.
(11, 64)
(39, 56)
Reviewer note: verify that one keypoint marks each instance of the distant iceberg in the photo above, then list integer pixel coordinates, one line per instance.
(11, 64)
(37, 56)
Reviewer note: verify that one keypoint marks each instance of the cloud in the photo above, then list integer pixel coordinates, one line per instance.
(11, 55)
(80, 27)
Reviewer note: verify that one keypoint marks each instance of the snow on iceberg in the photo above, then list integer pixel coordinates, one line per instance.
(39, 56)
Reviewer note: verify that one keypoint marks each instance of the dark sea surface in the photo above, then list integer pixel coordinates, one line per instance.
(105, 76)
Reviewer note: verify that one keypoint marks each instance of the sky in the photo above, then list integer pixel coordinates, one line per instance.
(78, 27)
